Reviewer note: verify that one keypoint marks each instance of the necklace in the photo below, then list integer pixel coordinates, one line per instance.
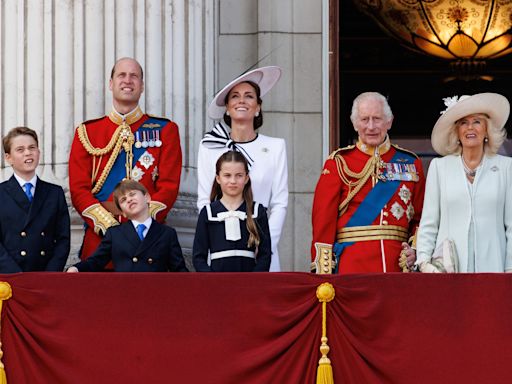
(469, 172)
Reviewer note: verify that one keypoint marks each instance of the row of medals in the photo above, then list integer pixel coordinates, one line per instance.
(153, 136)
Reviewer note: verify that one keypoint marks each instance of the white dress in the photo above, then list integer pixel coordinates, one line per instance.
(269, 179)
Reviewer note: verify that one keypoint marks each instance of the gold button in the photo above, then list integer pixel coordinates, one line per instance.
(135, 259)
(150, 261)
(42, 233)
(385, 213)
(326, 263)
(326, 269)
(23, 253)
(326, 257)
(23, 234)
(326, 251)
(384, 222)
(43, 253)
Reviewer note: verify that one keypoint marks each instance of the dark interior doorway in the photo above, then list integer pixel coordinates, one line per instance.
(370, 60)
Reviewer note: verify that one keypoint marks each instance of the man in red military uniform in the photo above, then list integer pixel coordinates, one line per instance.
(125, 144)
(368, 200)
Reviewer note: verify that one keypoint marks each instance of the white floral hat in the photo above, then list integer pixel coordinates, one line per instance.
(493, 105)
(265, 77)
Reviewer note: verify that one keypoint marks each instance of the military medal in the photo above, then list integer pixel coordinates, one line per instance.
(146, 160)
(137, 173)
(144, 141)
(158, 142)
(152, 139)
(138, 144)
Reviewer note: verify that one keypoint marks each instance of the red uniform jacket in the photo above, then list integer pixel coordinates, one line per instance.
(158, 169)
(399, 216)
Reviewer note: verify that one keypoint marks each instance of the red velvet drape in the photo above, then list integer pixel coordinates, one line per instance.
(255, 328)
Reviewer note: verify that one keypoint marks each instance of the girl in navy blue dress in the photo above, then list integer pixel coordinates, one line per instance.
(232, 231)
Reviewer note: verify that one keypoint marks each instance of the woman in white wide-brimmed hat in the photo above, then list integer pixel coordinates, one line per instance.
(238, 108)
(468, 196)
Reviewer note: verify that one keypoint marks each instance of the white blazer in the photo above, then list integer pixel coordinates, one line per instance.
(449, 206)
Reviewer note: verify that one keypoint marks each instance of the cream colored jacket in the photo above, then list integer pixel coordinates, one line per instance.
(449, 206)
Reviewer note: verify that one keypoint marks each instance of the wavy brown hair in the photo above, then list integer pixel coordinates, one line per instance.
(216, 194)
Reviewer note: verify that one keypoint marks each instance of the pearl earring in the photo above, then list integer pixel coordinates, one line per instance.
(227, 113)
(458, 142)
(257, 114)
(486, 140)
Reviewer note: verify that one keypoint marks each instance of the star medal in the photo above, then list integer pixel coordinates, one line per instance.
(146, 160)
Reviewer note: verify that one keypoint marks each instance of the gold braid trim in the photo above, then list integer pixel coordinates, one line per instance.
(101, 218)
(155, 207)
(84, 139)
(324, 262)
(370, 168)
(108, 167)
(122, 137)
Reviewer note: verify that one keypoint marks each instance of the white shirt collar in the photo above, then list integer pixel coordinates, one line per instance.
(146, 222)
(22, 182)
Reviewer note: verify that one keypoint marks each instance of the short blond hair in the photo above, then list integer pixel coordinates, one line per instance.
(495, 137)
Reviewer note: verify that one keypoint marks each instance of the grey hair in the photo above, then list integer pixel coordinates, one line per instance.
(370, 96)
(495, 135)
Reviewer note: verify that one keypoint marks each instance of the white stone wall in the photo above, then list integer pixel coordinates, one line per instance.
(287, 33)
(56, 59)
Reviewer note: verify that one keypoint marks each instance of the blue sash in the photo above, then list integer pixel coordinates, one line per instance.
(118, 171)
(372, 204)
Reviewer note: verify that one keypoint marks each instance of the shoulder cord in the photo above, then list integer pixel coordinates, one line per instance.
(354, 186)
(115, 143)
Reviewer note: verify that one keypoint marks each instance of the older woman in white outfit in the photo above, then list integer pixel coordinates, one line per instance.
(238, 107)
(468, 196)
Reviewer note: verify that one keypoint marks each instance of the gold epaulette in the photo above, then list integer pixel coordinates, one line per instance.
(101, 218)
(335, 152)
(397, 147)
(155, 207)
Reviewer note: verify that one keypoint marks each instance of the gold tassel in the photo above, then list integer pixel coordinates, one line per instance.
(325, 293)
(5, 294)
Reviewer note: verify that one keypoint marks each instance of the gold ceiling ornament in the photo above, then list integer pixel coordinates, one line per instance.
(467, 32)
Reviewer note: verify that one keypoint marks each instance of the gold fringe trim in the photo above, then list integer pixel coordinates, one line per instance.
(325, 293)
(5, 294)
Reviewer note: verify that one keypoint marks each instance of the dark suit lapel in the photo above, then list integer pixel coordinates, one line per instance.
(14, 190)
(40, 195)
(130, 234)
(151, 237)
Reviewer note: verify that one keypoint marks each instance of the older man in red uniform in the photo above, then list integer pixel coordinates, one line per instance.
(368, 200)
(125, 144)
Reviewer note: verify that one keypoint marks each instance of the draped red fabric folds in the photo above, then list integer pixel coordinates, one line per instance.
(255, 328)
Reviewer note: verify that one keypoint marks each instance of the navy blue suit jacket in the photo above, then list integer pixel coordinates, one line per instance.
(33, 236)
(160, 250)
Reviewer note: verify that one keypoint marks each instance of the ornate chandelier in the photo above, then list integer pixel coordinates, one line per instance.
(465, 31)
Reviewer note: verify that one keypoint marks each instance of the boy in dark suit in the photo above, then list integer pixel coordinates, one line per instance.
(138, 245)
(34, 217)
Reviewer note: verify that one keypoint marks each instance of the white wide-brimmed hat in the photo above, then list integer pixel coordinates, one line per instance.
(265, 77)
(493, 105)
